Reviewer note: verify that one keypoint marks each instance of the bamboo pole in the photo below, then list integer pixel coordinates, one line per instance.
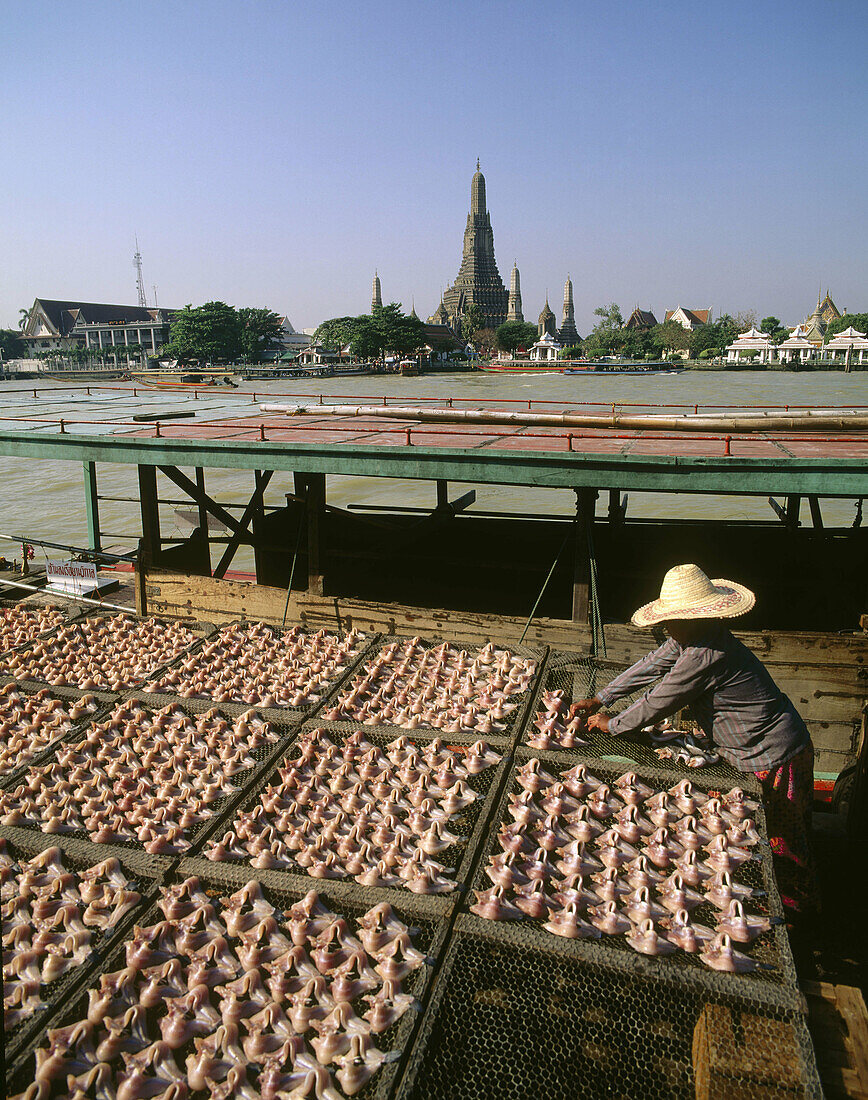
(743, 422)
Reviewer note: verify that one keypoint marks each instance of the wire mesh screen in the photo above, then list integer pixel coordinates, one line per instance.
(358, 805)
(414, 684)
(49, 940)
(512, 1022)
(297, 994)
(577, 678)
(541, 873)
(108, 653)
(259, 665)
(148, 780)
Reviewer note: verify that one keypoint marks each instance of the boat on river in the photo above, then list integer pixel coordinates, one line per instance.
(193, 378)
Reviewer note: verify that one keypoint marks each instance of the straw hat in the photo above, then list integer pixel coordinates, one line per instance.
(686, 593)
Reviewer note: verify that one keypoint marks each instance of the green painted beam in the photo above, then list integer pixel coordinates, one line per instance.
(825, 477)
(91, 503)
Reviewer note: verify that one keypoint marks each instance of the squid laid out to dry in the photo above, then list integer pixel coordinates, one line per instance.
(588, 859)
(262, 666)
(442, 688)
(141, 775)
(101, 652)
(353, 810)
(50, 917)
(29, 723)
(558, 725)
(561, 725)
(232, 998)
(23, 624)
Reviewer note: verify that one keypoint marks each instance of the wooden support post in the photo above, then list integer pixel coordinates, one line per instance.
(794, 507)
(91, 500)
(150, 512)
(585, 506)
(442, 493)
(316, 487)
(203, 514)
(816, 514)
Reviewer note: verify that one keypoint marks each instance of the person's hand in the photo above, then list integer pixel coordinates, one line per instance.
(599, 722)
(586, 706)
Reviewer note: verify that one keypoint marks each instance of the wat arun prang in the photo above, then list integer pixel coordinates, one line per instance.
(478, 281)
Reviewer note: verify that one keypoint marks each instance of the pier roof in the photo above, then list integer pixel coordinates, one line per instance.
(217, 429)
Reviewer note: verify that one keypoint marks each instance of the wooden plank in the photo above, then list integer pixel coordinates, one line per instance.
(737, 1056)
(852, 1007)
(585, 504)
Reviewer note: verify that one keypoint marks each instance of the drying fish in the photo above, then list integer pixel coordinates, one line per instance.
(566, 922)
(492, 905)
(607, 918)
(274, 1030)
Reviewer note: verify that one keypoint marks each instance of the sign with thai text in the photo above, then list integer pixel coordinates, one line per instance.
(74, 577)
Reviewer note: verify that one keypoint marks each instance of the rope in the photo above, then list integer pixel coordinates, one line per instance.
(546, 583)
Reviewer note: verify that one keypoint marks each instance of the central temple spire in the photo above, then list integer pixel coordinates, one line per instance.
(478, 282)
(477, 193)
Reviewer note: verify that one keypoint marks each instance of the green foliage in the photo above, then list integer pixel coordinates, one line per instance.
(608, 336)
(472, 321)
(610, 318)
(707, 353)
(773, 328)
(571, 353)
(668, 337)
(260, 331)
(859, 321)
(336, 332)
(371, 336)
(210, 332)
(513, 335)
(23, 314)
(11, 344)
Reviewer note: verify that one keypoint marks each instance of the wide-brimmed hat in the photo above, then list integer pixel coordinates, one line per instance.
(687, 593)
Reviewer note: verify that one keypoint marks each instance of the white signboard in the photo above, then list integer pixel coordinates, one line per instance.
(75, 578)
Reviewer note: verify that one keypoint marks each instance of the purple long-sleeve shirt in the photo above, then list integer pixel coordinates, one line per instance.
(731, 695)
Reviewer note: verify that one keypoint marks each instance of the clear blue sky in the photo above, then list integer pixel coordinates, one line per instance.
(276, 153)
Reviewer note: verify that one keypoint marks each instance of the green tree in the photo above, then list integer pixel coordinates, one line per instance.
(11, 344)
(336, 332)
(472, 320)
(774, 329)
(635, 343)
(859, 321)
(365, 342)
(668, 337)
(260, 331)
(398, 331)
(512, 335)
(210, 332)
(606, 337)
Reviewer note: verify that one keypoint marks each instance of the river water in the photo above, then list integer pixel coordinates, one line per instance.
(45, 499)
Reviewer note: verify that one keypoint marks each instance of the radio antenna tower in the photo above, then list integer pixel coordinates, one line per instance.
(140, 279)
